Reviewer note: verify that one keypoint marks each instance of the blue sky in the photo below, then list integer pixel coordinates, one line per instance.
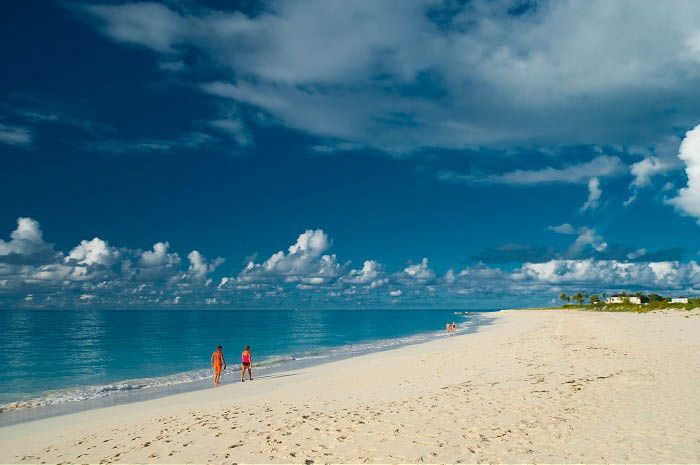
(335, 154)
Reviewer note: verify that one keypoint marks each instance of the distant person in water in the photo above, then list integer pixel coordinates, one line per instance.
(448, 328)
(246, 363)
(218, 363)
(454, 328)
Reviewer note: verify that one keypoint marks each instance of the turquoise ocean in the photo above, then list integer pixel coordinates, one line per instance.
(54, 362)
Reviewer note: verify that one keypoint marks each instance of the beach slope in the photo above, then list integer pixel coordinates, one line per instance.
(533, 386)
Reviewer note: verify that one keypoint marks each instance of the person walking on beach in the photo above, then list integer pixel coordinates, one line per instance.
(246, 363)
(218, 362)
(454, 328)
(447, 328)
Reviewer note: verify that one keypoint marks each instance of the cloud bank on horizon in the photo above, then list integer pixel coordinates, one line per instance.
(95, 273)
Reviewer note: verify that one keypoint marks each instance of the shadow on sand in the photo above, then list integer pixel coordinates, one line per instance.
(279, 376)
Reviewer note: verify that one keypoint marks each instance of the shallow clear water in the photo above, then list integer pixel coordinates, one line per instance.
(52, 357)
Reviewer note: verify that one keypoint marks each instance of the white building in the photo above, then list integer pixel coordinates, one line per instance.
(679, 300)
(616, 299)
(635, 300)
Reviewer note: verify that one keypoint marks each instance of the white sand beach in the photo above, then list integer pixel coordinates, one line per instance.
(535, 386)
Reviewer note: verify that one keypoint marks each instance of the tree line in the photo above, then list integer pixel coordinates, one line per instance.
(581, 297)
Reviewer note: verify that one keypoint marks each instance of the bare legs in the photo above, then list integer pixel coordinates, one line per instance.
(243, 370)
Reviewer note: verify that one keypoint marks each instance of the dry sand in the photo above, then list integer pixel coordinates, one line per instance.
(535, 386)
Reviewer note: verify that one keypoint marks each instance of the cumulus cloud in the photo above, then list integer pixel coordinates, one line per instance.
(94, 252)
(613, 273)
(26, 244)
(594, 193)
(199, 268)
(94, 271)
(304, 262)
(420, 271)
(688, 199)
(159, 256)
(370, 274)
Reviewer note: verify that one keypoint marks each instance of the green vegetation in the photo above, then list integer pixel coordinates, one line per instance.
(649, 303)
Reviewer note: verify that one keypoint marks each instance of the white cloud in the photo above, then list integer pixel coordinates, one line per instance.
(612, 273)
(564, 228)
(420, 271)
(159, 257)
(192, 140)
(594, 193)
(601, 166)
(26, 243)
(234, 127)
(150, 24)
(311, 242)
(637, 254)
(563, 72)
(369, 272)
(158, 264)
(94, 252)
(95, 273)
(26, 239)
(304, 262)
(92, 268)
(15, 135)
(688, 199)
(588, 237)
(199, 269)
(645, 169)
(657, 159)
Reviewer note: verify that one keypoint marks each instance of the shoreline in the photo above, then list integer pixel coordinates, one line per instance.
(533, 386)
(207, 396)
(11, 415)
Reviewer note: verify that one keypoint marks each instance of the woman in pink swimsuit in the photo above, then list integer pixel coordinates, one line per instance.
(246, 363)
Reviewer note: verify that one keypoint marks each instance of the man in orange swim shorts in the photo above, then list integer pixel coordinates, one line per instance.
(218, 362)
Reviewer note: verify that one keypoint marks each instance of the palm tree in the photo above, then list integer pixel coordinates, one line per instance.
(564, 298)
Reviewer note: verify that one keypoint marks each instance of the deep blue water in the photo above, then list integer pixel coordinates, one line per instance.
(53, 357)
